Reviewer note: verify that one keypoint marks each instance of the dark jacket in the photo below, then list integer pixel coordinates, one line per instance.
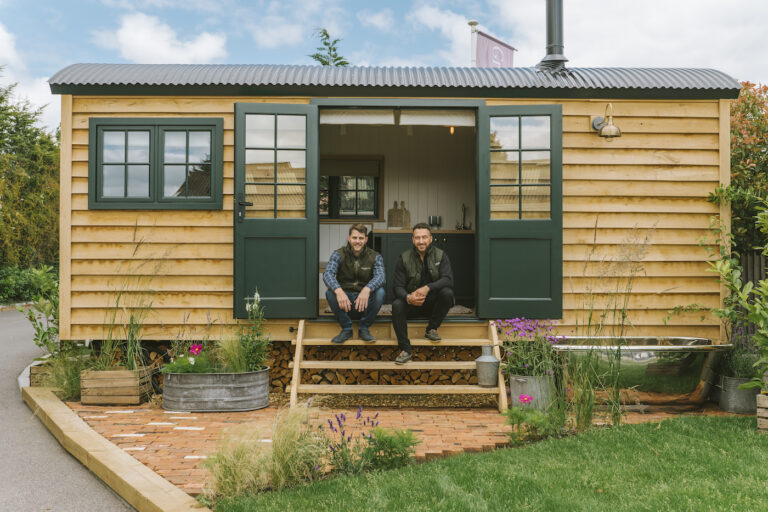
(401, 279)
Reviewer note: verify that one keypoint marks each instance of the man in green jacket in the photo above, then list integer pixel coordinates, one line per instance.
(355, 280)
(423, 287)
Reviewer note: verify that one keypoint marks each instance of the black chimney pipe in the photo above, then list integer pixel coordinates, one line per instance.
(554, 60)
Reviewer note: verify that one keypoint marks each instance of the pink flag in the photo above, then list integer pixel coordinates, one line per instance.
(492, 53)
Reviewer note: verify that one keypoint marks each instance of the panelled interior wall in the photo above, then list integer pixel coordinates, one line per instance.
(640, 196)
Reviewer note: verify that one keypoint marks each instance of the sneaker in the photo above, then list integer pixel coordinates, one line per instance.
(431, 335)
(343, 336)
(365, 335)
(403, 357)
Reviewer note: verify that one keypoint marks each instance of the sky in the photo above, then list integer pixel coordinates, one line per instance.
(40, 37)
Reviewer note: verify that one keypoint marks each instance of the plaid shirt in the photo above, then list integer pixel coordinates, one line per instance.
(329, 276)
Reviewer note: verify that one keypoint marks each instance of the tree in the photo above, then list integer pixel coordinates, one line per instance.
(29, 186)
(328, 54)
(749, 166)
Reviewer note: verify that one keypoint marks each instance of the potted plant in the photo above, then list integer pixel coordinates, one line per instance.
(118, 374)
(227, 375)
(529, 360)
(737, 368)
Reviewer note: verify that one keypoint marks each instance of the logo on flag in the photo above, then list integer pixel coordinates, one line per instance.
(492, 53)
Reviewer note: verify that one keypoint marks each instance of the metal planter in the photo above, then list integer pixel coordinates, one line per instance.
(216, 392)
(740, 401)
(541, 388)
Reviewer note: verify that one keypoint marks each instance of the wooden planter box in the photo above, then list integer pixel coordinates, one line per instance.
(216, 392)
(37, 374)
(115, 387)
(762, 412)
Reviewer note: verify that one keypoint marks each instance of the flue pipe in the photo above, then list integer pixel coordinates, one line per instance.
(554, 60)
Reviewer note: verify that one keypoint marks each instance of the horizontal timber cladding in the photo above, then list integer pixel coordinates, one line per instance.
(643, 195)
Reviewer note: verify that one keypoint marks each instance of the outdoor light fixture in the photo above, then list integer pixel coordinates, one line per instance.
(451, 129)
(604, 125)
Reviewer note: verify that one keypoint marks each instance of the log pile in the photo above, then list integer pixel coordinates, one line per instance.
(282, 354)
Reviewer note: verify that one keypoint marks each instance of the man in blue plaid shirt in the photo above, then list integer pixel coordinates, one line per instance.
(355, 280)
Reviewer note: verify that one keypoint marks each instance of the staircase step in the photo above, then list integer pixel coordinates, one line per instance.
(395, 389)
(415, 329)
(386, 365)
(445, 342)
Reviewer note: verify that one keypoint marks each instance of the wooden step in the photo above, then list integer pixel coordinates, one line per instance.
(385, 365)
(395, 389)
(415, 330)
(449, 342)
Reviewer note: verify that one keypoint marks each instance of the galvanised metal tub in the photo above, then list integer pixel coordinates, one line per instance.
(652, 370)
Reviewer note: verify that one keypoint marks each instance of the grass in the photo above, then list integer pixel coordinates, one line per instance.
(693, 463)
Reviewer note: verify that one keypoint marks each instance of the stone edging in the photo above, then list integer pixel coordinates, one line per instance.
(141, 487)
(7, 307)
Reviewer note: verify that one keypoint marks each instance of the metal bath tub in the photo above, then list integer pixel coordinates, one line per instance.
(663, 370)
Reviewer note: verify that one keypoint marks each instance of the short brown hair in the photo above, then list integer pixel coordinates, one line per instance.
(360, 228)
(422, 225)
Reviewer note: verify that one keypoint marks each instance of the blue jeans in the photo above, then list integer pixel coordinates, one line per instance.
(375, 300)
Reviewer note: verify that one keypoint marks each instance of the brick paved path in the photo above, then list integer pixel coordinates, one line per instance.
(174, 444)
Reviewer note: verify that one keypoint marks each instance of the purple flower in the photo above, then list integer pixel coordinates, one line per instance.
(359, 412)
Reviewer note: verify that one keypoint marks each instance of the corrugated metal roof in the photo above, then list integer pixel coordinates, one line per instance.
(265, 75)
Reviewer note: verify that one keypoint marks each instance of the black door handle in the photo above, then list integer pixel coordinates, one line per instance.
(241, 204)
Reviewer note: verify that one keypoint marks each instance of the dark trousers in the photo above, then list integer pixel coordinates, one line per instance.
(435, 308)
(375, 300)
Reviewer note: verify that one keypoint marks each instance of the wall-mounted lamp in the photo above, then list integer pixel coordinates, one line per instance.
(604, 125)
(451, 129)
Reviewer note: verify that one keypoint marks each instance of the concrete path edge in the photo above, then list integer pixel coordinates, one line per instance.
(141, 487)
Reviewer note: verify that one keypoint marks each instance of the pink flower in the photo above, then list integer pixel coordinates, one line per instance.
(525, 399)
(195, 349)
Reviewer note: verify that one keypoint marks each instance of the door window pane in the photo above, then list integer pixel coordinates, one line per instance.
(199, 180)
(535, 133)
(114, 181)
(323, 203)
(347, 183)
(535, 204)
(291, 167)
(535, 167)
(505, 167)
(138, 147)
(291, 200)
(260, 166)
(199, 147)
(175, 148)
(291, 131)
(365, 182)
(505, 202)
(175, 181)
(505, 132)
(113, 149)
(260, 131)
(138, 181)
(263, 199)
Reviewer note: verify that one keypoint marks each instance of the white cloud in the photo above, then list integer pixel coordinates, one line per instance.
(451, 26)
(193, 5)
(34, 89)
(147, 40)
(383, 20)
(275, 31)
(727, 36)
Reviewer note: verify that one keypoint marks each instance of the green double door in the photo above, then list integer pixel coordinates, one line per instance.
(275, 205)
(519, 211)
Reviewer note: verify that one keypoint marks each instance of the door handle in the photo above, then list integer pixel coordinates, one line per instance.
(241, 204)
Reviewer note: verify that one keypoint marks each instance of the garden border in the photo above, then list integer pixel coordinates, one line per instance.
(141, 487)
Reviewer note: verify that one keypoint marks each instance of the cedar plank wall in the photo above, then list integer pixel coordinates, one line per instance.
(657, 175)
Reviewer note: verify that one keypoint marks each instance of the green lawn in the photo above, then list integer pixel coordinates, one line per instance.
(694, 463)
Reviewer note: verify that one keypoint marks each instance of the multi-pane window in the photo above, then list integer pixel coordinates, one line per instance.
(349, 188)
(155, 163)
(520, 184)
(276, 165)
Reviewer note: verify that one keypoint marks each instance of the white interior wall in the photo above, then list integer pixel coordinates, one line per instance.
(431, 170)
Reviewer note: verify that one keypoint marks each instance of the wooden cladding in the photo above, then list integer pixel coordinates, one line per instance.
(651, 182)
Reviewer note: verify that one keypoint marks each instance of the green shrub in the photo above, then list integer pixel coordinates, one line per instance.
(379, 448)
(23, 285)
(64, 373)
